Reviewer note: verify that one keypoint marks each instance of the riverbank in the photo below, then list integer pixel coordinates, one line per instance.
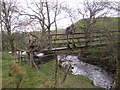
(42, 79)
(99, 76)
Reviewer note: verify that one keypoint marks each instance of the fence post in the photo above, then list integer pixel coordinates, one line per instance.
(73, 44)
(50, 42)
(28, 57)
(68, 41)
(31, 58)
(18, 55)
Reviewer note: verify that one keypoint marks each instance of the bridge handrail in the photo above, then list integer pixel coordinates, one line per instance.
(96, 36)
(83, 32)
(77, 42)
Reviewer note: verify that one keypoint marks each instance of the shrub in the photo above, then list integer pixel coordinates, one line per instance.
(20, 74)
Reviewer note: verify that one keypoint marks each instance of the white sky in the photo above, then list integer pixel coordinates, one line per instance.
(63, 22)
(66, 21)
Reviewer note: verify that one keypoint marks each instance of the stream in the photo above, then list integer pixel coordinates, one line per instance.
(96, 74)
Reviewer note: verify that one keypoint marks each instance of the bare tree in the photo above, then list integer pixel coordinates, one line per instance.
(8, 18)
(45, 14)
(90, 13)
(115, 46)
(114, 5)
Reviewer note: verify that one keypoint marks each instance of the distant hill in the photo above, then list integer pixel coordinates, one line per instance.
(107, 23)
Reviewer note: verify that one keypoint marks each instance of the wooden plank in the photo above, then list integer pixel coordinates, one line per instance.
(20, 50)
(83, 33)
(112, 31)
(44, 56)
(65, 34)
(97, 36)
(66, 48)
(76, 42)
(115, 31)
(68, 38)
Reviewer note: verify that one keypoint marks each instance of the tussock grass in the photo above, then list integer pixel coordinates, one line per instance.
(18, 73)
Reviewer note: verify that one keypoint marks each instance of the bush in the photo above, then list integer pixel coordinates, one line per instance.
(102, 57)
(20, 74)
(6, 56)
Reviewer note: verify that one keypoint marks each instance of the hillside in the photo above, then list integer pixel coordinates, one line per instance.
(42, 79)
(107, 23)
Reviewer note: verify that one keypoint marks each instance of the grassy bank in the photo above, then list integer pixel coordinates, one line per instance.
(100, 56)
(42, 79)
(0, 70)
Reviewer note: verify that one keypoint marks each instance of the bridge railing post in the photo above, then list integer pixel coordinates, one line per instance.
(31, 58)
(68, 40)
(73, 44)
(18, 55)
(50, 42)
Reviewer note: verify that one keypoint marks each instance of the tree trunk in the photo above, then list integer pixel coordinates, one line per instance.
(118, 74)
(11, 43)
(117, 85)
(66, 73)
(12, 46)
(56, 70)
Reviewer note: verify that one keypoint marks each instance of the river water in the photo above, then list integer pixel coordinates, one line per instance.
(96, 74)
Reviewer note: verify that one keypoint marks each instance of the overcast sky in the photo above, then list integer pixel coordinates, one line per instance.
(72, 3)
(63, 23)
(66, 21)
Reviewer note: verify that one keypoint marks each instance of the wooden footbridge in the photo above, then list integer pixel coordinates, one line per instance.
(59, 42)
(75, 41)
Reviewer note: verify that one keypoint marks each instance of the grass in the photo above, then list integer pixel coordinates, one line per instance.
(42, 79)
(0, 70)
(58, 31)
